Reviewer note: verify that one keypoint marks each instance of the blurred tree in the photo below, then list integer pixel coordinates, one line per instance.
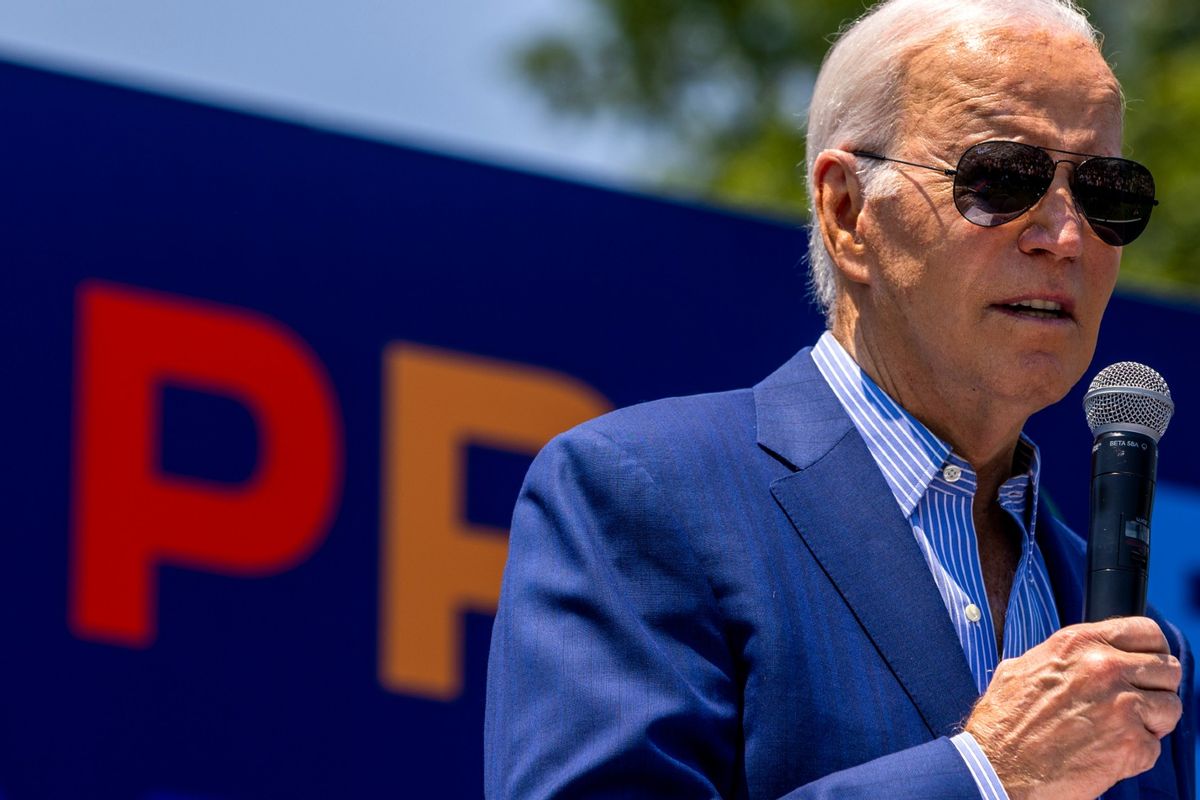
(1158, 62)
(720, 82)
(723, 85)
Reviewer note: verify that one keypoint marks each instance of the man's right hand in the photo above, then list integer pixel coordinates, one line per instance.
(1081, 711)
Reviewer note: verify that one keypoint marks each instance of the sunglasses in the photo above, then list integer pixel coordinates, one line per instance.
(996, 182)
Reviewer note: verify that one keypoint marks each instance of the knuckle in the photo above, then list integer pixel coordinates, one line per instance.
(1128, 706)
(1173, 707)
(1100, 666)
(1149, 628)
(1176, 669)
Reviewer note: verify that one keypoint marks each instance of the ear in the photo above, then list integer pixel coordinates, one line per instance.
(838, 205)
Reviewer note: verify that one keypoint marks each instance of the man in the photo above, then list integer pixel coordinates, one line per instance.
(839, 583)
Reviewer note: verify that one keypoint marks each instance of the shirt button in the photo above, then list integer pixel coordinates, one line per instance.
(952, 473)
(973, 613)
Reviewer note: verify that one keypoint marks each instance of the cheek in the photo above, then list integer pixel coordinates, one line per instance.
(1100, 279)
(1107, 279)
(905, 238)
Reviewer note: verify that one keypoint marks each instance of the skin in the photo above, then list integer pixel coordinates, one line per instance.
(919, 285)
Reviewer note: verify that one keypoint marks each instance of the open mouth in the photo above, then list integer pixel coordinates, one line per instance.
(1036, 309)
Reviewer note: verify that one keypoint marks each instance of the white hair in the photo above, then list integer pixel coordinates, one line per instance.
(856, 103)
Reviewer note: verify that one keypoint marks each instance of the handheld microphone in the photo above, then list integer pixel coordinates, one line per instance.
(1128, 408)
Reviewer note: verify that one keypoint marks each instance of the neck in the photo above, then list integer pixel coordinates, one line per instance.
(981, 430)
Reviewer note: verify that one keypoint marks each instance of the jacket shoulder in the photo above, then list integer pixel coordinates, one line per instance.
(673, 422)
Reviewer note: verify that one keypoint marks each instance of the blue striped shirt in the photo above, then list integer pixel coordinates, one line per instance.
(935, 489)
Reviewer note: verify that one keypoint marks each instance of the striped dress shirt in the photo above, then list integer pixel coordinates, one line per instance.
(934, 488)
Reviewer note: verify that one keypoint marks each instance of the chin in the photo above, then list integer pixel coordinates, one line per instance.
(1044, 378)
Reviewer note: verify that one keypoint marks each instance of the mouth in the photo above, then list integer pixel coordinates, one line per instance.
(1035, 308)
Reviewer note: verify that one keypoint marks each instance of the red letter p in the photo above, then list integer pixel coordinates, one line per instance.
(129, 517)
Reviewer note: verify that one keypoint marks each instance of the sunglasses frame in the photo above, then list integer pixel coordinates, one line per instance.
(952, 173)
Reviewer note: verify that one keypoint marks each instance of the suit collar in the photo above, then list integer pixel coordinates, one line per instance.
(798, 417)
(872, 559)
(912, 453)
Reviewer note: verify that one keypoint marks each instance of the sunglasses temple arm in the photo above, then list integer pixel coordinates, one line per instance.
(949, 173)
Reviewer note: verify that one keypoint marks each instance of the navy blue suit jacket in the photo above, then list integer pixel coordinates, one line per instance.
(718, 596)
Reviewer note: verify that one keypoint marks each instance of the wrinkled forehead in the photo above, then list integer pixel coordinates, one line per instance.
(1047, 88)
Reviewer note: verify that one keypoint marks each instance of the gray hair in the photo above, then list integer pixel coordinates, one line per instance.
(856, 103)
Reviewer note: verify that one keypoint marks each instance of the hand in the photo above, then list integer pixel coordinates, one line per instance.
(1081, 711)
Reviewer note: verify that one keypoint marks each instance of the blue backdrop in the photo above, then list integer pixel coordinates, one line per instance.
(268, 685)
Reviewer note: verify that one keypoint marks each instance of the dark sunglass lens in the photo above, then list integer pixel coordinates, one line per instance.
(1116, 196)
(996, 182)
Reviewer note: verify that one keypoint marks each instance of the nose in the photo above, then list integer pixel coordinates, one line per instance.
(1055, 225)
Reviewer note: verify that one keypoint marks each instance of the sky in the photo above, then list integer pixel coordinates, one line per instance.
(431, 73)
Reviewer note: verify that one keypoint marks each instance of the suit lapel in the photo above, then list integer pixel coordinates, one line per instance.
(843, 510)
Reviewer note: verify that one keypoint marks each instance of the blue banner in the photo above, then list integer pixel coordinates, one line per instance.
(271, 393)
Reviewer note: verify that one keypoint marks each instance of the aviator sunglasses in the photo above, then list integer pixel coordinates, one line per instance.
(996, 182)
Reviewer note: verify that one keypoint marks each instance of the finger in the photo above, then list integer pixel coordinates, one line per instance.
(1152, 671)
(1131, 634)
(1101, 670)
(1160, 712)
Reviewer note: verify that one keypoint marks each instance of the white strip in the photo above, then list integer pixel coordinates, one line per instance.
(980, 768)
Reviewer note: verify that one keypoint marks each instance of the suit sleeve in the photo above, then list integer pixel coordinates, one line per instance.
(610, 673)
(1179, 749)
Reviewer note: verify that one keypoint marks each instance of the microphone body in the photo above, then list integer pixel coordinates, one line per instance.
(1128, 408)
(1124, 465)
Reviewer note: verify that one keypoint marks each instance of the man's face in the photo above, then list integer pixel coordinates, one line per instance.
(939, 308)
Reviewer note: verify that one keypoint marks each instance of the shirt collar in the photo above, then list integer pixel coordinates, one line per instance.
(912, 459)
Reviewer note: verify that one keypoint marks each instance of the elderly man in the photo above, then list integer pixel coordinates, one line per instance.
(840, 583)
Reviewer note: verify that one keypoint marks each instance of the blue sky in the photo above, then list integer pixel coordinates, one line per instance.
(435, 73)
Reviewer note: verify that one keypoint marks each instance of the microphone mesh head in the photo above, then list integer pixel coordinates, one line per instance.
(1128, 395)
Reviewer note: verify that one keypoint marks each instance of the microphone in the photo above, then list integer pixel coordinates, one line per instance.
(1128, 407)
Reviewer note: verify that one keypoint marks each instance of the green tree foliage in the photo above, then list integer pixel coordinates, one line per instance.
(1158, 62)
(722, 82)
(722, 85)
